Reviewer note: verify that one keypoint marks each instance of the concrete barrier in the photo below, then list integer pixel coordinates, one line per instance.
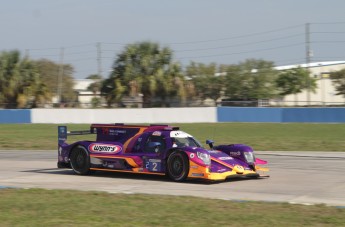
(15, 116)
(282, 115)
(175, 115)
(317, 115)
(249, 114)
(146, 115)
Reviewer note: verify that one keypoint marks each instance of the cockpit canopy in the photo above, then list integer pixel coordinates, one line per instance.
(182, 139)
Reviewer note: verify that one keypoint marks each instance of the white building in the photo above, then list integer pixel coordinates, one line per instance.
(84, 95)
(325, 93)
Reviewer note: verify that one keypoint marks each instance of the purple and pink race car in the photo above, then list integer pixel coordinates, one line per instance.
(155, 149)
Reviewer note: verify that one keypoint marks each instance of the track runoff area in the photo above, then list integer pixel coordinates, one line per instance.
(295, 177)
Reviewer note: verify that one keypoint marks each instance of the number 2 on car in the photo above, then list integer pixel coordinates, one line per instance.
(153, 165)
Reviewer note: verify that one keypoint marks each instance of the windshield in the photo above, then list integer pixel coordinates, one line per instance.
(185, 141)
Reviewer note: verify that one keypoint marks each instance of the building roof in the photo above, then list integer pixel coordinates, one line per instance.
(82, 84)
(310, 65)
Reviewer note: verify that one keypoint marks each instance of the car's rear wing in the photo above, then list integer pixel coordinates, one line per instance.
(110, 131)
(63, 133)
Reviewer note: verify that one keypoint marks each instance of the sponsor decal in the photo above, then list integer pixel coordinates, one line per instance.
(112, 132)
(235, 153)
(193, 167)
(192, 155)
(213, 151)
(197, 174)
(157, 133)
(225, 158)
(105, 131)
(104, 148)
(179, 134)
(221, 170)
(238, 168)
(175, 134)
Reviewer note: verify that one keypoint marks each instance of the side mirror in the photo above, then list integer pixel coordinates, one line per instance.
(210, 143)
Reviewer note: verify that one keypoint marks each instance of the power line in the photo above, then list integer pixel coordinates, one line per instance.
(98, 53)
(80, 45)
(331, 42)
(81, 59)
(240, 36)
(40, 49)
(244, 52)
(330, 32)
(81, 52)
(241, 44)
(328, 23)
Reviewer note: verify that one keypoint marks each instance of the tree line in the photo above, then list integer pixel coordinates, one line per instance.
(26, 83)
(148, 70)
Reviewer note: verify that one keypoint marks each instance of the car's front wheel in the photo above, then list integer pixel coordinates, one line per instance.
(178, 166)
(80, 160)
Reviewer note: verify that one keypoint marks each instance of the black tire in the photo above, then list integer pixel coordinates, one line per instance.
(178, 166)
(80, 161)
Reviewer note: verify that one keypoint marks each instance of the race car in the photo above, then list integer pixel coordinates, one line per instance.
(155, 149)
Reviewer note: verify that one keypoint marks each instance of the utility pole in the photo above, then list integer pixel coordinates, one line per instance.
(307, 57)
(99, 59)
(27, 53)
(60, 75)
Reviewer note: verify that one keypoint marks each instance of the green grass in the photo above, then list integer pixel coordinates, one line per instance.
(261, 136)
(38, 207)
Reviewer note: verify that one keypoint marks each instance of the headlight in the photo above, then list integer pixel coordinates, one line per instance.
(249, 157)
(204, 157)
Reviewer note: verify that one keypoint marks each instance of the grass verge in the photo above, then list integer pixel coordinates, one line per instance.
(38, 207)
(261, 136)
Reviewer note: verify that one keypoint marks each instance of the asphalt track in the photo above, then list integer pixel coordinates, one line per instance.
(295, 177)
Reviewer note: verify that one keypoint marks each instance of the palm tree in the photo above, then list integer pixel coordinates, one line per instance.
(142, 68)
(95, 87)
(48, 72)
(20, 82)
(9, 78)
(171, 84)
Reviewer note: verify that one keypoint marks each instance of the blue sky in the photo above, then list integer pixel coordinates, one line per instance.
(221, 31)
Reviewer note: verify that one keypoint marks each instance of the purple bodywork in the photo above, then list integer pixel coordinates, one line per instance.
(149, 149)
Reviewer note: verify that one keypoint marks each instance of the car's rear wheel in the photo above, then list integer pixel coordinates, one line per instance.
(80, 161)
(178, 166)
